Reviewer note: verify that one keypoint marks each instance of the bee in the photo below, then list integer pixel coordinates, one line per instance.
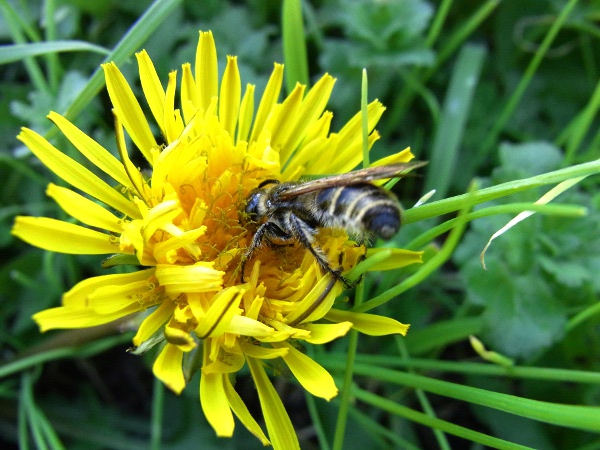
(294, 211)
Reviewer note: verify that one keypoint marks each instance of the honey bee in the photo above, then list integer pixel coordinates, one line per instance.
(294, 211)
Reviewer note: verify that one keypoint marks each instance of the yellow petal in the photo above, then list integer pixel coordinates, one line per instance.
(316, 303)
(398, 258)
(349, 157)
(94, 152)
(206, 71)
(160, 217)
(188, 93)
(167, 368)
(242, 413)
(321, 162)
(400, 157)
(135, 176)
(180, 338)
(83, 209)
(64, 237)
(228, 362)
(253, 303)
(153, 322)
(311, 109)
(352, 130)
(181, 314)
(368, 323)
(199, 277)
(107, 299)
(319, 129)
(301, 159)
(246, 114)
(63, 317)
(153, 90)
(215, 404)
(132, 238)
(74, 173)
(280, 428)
(129, 110)
(268, 100)
(214, 401)
(348, 147)
(312, 376)
(231, 92)
(317, 142)
(77, 296)
(168, 247)
(283, 335)
(283, 122)
(172, 120)
(259, 352)
(322, 333)
(245, 326)
(219, 315)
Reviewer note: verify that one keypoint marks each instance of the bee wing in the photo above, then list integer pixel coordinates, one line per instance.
(355, 177)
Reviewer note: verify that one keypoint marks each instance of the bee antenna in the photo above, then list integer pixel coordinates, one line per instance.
(266, 182)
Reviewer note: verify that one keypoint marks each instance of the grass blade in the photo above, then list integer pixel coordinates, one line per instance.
(450, 129)
(294, 45)
(17, 52)
(135, 37)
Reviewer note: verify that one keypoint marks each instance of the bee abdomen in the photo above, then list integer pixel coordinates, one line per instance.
(384, 220)
(361, 208)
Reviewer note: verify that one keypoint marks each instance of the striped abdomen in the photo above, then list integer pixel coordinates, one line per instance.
(359, 208)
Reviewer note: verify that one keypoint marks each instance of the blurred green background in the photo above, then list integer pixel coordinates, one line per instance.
(484, 90)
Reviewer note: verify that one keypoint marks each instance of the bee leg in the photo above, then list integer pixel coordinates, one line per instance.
(304, 233)
(283, 240)
(276, 245)
(352, 284)
(265, 231)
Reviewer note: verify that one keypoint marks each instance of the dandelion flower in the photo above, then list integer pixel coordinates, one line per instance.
(182, 223)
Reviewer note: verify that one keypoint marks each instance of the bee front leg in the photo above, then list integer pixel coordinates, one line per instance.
(265, 232)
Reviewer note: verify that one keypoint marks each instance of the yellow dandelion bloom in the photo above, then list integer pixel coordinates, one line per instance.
(184, 225)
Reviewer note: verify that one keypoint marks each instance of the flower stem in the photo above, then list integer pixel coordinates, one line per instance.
(340, 429)
(428, 267)
(158, 398)
(502, 190)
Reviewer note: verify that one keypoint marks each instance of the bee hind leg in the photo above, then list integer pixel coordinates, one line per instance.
(304, 233)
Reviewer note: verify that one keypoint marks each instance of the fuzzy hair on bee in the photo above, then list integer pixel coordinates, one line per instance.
(293, 212)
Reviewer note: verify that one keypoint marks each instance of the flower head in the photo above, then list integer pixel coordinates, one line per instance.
(184, 224)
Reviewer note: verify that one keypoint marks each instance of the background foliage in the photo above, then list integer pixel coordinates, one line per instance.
(485, 90)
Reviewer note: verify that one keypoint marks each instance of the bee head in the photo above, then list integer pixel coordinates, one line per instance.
(256, 206)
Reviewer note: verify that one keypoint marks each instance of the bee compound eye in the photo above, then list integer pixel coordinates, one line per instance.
(253, 206)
